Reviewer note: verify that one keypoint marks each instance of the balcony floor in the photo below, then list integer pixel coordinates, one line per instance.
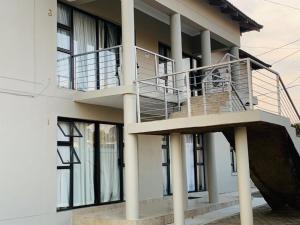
(208, 123)
(110, 97)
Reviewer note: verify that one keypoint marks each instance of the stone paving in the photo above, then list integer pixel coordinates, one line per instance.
(265, 216)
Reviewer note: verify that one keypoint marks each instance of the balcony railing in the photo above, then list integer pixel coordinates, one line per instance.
(225, 87)
(91, 70)
(102, 69)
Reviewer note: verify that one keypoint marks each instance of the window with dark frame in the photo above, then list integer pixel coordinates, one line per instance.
(198, 158)
(89, 163)
(93, 70)
(166, 165)
(233, 160)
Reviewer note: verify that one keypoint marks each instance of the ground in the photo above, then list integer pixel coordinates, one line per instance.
(265, 216)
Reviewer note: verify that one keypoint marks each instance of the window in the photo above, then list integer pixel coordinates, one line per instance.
(166, 165)
(200, 162)
(195, 164)
(79, 35)
(64, 46)
(233, 160)
(89, 163)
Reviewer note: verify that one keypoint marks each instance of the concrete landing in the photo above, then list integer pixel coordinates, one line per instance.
(221, 213)
(153, 212)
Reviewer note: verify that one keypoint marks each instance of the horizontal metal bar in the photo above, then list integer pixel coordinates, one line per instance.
(153, 53)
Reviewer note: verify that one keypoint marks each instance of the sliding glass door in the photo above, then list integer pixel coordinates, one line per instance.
(89, 163)
(79, 36)
(109, 164)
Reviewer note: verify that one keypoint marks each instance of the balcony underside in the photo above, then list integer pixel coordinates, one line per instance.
(110, 97)
(209, 123)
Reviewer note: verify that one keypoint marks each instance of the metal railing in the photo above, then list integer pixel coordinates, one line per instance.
(224, 87)
(91, 70)
(151, 64)
(102, 69)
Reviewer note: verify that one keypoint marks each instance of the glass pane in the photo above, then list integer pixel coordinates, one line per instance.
(63, 70)
(63, 155)
(109, 68)
(63, 15)
(84, 193)
(189, 148)
(63, 39)
(69, 129)
(60, 135)
(85, 41)
(109, 166)
(165, 180)
(63, 188)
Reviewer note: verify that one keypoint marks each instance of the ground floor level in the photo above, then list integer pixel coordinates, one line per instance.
(265, 216)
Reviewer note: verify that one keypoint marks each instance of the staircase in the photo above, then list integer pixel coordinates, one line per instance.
(200, 105)
(274, 163)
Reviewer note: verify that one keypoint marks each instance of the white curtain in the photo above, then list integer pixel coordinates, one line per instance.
(85, 41)
(108, 60)
(63, 188)
(189, 149)
(109, 167)
(63, 15)
(84, 172)
(63, 175)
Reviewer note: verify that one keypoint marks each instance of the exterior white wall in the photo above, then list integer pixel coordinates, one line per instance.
(150, 167)
(28, 124)
(207, 17)
(227, 180)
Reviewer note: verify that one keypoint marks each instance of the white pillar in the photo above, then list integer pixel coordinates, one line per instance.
(176, 41)
(130, 141)
(176, 48)
(243, 171)
(235, 51)
(206, 48)
(212, 179)
(177, 179)
(209, 138)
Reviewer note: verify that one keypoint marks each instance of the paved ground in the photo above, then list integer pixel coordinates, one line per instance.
(265, 216)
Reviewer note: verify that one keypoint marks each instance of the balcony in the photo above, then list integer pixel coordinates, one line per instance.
(97, 75)
(232, 92)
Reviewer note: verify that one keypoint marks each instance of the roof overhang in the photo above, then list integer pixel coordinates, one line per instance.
(245, 22)
(244, 54)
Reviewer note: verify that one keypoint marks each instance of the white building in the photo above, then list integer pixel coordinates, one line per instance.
(78, 78)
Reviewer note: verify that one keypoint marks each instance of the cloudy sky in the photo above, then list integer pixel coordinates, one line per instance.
(281, 26)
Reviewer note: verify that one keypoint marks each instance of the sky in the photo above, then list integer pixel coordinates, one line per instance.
(281, 26)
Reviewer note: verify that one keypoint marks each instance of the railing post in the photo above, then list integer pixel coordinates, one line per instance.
(188, 94)
(250, 87)
(278, 94)
(138, 103)
(121, 65)
(204, 97)
(136, 64)
(178, 100)
(156, 69)
(166, 103)
(75, 85)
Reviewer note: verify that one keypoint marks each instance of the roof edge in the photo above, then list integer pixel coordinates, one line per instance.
(246, 23)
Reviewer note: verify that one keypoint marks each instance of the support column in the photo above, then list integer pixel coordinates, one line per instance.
(235, 51)
(236, 66)
(177, 179)
(209, 138)
(212, 179)
(206, 48)
(130, 141)
(243, 171)
(176, 41)
(176, 48)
